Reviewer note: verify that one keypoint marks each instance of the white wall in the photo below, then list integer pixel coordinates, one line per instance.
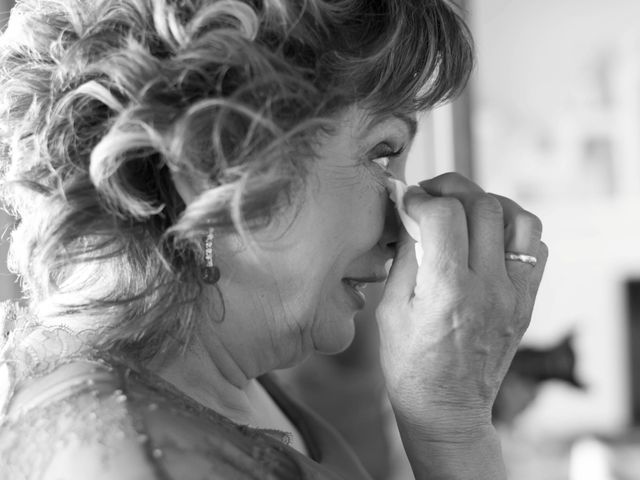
(531, 54)
(553, 76)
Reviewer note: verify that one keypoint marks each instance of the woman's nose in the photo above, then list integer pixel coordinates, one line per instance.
(391, 231)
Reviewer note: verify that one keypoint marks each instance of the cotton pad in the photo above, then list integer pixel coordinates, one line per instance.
(397, 191)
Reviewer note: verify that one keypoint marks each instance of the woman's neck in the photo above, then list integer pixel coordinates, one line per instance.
(218, 383)
(214, 380)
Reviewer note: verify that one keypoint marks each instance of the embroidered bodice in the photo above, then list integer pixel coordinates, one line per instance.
(86, 415)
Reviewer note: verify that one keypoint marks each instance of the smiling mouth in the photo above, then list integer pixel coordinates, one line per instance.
(355, 286)
(365, 280)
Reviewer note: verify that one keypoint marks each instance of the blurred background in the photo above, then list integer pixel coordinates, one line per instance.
(554, 122)
(551, 118)
(556, 125)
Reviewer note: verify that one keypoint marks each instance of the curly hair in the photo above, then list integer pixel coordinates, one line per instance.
(103, 100)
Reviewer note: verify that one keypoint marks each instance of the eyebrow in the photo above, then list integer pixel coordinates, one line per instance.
(410, 122)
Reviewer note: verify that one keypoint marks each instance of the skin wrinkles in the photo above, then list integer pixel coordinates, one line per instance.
(297, 330)
(396, 133)
(358, 171)
(291, 296)
(335, 230)
(346, 176)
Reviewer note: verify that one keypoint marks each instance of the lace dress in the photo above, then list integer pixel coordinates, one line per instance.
(83, 415)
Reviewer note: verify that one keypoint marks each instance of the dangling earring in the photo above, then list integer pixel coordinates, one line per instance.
(210, 273)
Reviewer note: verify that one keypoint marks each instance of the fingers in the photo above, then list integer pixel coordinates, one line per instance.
(443, 229)
(496, 225)
(444, 239)
(522, 233)
(484, 214)
(522, 229)
(401, 281)
(463, 227)
(450, 185)
(536, 275)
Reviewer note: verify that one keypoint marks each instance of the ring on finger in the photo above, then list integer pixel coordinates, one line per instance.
(521, 257)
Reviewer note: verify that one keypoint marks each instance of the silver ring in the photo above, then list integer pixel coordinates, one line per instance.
(521, 257)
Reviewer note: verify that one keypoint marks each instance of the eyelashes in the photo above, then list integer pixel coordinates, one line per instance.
(384, 160)
(381, 164)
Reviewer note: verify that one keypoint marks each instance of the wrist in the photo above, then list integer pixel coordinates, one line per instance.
(447, 421)
(464, 454)
(445, 429)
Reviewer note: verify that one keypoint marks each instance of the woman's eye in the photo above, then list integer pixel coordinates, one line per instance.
(382, 162)
(384, 156)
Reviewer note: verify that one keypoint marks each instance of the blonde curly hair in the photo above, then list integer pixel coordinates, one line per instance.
(103, 100)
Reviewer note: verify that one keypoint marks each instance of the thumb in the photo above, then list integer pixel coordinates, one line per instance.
(401, 281)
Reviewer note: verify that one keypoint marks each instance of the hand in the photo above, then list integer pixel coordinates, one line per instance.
(449, 328)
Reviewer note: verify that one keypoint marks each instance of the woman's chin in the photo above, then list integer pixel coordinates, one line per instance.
(336, 337)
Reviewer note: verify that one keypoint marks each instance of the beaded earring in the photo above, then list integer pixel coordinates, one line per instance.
(210, 273)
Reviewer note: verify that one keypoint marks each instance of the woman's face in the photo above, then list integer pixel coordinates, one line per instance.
(302, 291)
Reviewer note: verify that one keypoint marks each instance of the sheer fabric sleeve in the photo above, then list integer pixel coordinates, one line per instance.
(86, 434)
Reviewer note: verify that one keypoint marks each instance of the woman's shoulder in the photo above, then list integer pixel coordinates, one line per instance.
(87, 420)
(70, 423)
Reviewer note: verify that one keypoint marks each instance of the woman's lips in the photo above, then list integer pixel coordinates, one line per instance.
(355, 287)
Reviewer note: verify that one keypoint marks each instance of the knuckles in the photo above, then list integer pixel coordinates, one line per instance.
(449, 182)
(487, 205)
(452, 179)
(447, 207)
(530, 222)
(442, 208)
